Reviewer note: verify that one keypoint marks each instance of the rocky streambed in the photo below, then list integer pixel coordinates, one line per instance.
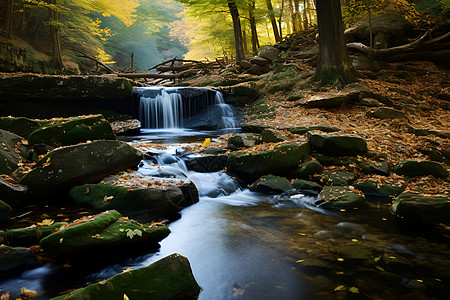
(268, 215)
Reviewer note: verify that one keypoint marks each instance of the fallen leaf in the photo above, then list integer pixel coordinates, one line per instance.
(46, 222)
(28, 293)
(354, 290)
(339, 288)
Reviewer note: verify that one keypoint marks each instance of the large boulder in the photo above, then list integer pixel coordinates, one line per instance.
(9, 190)
(94, 234)
(386, 113)
(271, 185)
(280, 161)
(154, 197)
(21, 126)
(335, 177)
(12, 150)
(337, 144)
(29, 236)
(307, 169)
(206, 163)
(63, 168)
(166, 279)
(16, 259)
(270, 135)
(372, 189)
(340, 197)
(73, 131)
(413, 168)
(242, 140)
(427, 209)
(268, 52)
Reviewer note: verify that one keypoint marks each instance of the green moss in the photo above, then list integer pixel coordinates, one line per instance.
(20, 126)
(30, 236)
(340, 197)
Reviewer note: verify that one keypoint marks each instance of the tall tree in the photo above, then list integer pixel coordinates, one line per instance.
(53, 15)
(9, 17)
(238, 43)
(273, 20)
(251, 16)
(334, 66)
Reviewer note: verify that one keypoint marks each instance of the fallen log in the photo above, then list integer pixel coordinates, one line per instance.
(147, 75)
(85, 55)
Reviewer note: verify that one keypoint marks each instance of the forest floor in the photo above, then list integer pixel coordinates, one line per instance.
(419, 89)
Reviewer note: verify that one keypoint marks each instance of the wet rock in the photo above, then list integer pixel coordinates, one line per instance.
(351, 227)
(327, 160)
(413, 168)
(373, 189)
(340, 197)
(30, 236)
(14, 259)
(308, 168)
(107, 230)
(6, 211)
(337, 144)
(386, 113)
(168, 278)
(436, 154)
(354, 253)
(370, 102)
(64, 168)
(73, 131)
(242, 94)
(256, 70)
(280, 161)
(396, 263)
(325, 235)
(270, 135)
(425, 132)
(335, 178)
(306, 185)
(21, 126)
(303, 130)
(378, 167)
(271, 185)
(241, 140)
(426, 209)
(260, 61)
(128, 127)
(253, 127)
(206, 163)
(268, 52)
(12, 150)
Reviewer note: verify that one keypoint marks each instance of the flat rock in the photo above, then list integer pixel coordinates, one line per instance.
(128, 127)
(270, 135)
(206, 163)
(168, 278)
(12, 191)
(386, 113)
(425, 132)
(306, 185)
(242, 140)
(268, 52)
(377, 167)
(373, 189)
(370, 102)
(12, 150)
(340, 197)
(413, 168)
(307, 169)
(426, 209)
(282, 160)
(95, 234)
(14, 259)
(64, 168)
(21, 126)
(270, 184)
(303, 130)
(29, 236)
(337, 144)
(335, 177)
(260, 61)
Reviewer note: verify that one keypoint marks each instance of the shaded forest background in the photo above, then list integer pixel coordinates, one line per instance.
(154, 31)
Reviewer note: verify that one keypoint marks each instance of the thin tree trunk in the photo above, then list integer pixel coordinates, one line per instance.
(244, 39)
(292, 13)
(255, 41)
(240, 54)
(280, 19)
(305, 16)
(298, 22)
(333, 66)
(54, 35)
(273, 20)
(9, 17)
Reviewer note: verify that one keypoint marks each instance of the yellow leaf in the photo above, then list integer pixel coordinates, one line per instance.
(125, 297)
(61, 240)
(127, 270)
(28, 293)
(354, 290)
(206, 142)
(46, 222)
(121, 230)
(5, 296)
(340, 259)
(339, 288)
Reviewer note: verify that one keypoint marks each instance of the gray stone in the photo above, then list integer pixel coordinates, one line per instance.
(260, 61)
(241, 140)
(245, 64)
(268, 52)
(206, 163)
(386, 113)
(378, 167)
(271, 185)
(12, 191)
(413, 168)
(340, 197)
(337, 144)
(370, 102)
(14, 259)
(270, 135)
(9, 155)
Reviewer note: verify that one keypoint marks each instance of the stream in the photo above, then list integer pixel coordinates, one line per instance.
(245, 245)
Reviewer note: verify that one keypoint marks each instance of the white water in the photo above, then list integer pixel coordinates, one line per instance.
(163, 111)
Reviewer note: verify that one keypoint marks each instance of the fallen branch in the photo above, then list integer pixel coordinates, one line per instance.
(147, 75)
(96, 60)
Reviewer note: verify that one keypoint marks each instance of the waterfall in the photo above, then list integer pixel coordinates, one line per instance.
(199, 108)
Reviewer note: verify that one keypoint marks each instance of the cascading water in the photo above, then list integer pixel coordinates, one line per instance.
(161, 107)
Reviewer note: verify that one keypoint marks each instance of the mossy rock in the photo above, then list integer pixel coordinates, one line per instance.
(326, 160)
(30, 236)
(337, 144)
(94, 234)
(21, 126)
(242, 140)
(64, 168)
(271, 185)
(413, 168)
(304, 130)
(270, 135)
(372, 189)
(306, 185)
(169, 278)
(340, 197)
(154, 201)
(12, 150)
(427, 209)
(14, 259)
(73, 131)
(280, 161)
(378, 167)
(335, 178)
(6, 211)
(307, 169)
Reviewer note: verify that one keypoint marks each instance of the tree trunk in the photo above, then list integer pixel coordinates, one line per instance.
(54, 35)
(298, 17)
(333, 66)
(255, 41)
(305, 16)
(280, 19)
(244, 39)
(273, 20)
(9, 17)
(240, 54)
(293, 16)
